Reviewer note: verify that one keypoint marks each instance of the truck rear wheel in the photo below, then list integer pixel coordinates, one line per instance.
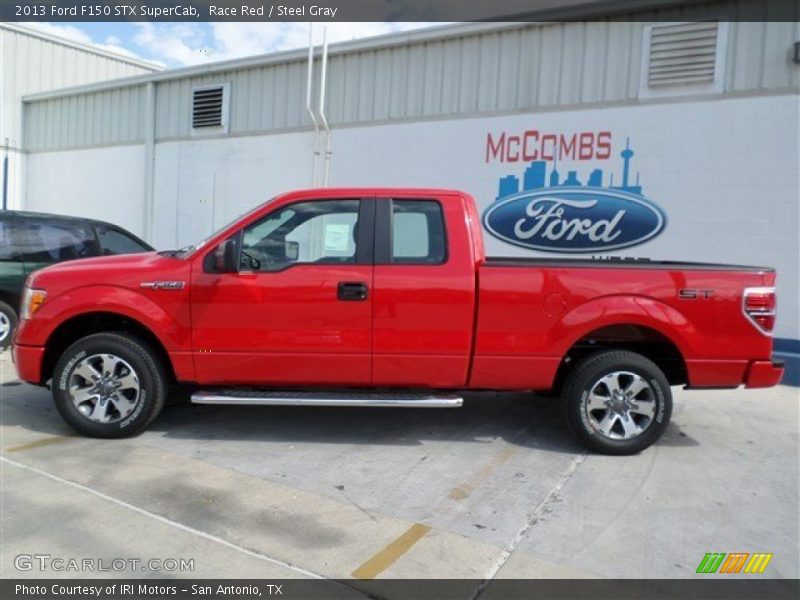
(617, 402)
(109, 385)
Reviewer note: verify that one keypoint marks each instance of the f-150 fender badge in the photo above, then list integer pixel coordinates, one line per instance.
(567, 216)
(163, 285)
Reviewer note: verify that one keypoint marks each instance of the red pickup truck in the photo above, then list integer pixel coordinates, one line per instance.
(384, 297)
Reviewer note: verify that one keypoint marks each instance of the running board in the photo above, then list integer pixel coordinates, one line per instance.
(291, 398)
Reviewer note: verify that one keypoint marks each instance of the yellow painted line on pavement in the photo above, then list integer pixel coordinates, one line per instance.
(389, 555)
(465, 489)
(53, 439)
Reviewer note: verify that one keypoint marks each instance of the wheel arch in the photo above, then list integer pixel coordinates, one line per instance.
(84, 324)
(11, 299)
(646, 340)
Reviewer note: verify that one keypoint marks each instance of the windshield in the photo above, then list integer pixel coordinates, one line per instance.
(187, 250)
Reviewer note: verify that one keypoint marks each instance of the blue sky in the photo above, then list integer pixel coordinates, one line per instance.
(190, 43)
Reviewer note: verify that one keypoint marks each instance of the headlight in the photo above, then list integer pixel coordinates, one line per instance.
(32, 300)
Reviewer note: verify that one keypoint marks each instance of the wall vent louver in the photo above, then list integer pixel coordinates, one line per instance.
(682, 53)
(207, 107)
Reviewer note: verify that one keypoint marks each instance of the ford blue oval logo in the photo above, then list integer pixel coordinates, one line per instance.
(574, 219)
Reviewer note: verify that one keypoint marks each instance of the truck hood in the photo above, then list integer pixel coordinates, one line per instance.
(126, 270)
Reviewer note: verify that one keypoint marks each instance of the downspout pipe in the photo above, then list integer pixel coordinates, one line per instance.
(5, 174)
(309, 110)
(321, 110)
(149, 162)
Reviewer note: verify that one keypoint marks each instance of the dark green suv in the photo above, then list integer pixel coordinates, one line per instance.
(30, 241)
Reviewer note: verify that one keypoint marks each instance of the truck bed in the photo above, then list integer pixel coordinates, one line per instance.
(617, 262)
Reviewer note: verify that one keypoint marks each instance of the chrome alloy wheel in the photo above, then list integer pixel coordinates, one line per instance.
(620, 405)
(5, 326)
(104, 388)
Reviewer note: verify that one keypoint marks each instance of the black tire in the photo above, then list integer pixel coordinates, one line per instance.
(148, 374)
(8, 324)
(590, 425)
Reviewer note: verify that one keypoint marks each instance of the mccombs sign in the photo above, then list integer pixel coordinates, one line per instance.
(552, 213)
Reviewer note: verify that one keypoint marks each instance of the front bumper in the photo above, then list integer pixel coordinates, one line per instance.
(763, 373)
(28, 361)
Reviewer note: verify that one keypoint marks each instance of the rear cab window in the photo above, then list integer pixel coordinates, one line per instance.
(415, 234)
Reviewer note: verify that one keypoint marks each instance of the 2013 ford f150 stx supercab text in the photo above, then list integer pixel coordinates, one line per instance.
(384, 297)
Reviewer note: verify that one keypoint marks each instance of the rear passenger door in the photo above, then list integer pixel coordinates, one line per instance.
(424, 293)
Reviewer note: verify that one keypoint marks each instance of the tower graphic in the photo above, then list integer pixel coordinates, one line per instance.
(536, 177)
(626, 155)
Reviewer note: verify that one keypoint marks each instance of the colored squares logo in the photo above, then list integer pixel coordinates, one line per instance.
(735, 562)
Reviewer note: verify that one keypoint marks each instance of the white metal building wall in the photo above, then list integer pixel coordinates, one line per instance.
(31, 62)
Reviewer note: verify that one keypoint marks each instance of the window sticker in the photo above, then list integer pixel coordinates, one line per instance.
(336, 237)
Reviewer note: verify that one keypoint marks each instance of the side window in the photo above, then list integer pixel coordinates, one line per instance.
(8, 239)
(418, 235)
(316, 232)
(42, 242)
(114, 241)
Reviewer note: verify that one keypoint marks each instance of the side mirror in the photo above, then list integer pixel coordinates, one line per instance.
(291, 250)
(226, 256)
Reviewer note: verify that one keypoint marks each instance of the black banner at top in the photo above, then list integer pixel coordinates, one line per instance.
(394, 10)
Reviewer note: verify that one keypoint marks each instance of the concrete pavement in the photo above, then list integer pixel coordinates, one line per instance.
(495, 489)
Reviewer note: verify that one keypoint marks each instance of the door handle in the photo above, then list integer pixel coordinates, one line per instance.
(352, 290)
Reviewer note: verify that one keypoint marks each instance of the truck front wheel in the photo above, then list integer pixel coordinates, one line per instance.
(617, 402)
(109, 385)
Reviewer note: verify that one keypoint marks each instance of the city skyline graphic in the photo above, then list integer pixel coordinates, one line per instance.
(536, 177)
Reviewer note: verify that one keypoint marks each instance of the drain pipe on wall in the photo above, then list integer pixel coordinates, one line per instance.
(309, 83)
(321, 109)
(149, 162)
(5, 174)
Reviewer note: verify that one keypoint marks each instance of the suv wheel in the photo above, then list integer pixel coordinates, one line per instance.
(617, 402)
(8, 323)
(109, 385)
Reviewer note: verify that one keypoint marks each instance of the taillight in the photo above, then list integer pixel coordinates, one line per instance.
(759, 306)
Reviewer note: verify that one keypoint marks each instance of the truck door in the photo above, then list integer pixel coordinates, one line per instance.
(424, 293)
(299, 311)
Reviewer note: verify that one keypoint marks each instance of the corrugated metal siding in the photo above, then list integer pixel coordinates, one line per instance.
(32, 64)
(759, 56)
(102, 118)
(529, 67)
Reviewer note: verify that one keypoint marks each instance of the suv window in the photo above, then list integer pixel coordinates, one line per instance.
(8, 239)
(114, 241)
(417, 232)
(42, 242)
(315, 232)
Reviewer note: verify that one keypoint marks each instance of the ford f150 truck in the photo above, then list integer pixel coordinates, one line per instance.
(384, 297)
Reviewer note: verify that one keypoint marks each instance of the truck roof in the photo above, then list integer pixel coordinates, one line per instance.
(50, 216)
(349, 192)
